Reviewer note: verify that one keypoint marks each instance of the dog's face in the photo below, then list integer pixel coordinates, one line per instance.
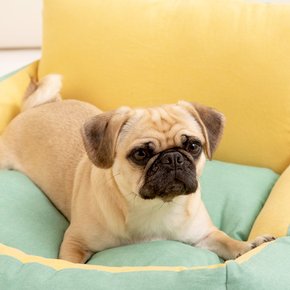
(156, 152)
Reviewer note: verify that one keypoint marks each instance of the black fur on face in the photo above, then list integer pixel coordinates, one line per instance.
(171, 174)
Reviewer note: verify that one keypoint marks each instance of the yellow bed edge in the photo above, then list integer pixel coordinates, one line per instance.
(275, 215)
(12, 90)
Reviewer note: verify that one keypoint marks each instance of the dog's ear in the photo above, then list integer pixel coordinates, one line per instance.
(100, 135)
(211, 122)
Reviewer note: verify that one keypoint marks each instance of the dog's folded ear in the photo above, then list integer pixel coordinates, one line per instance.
(211, 122)
(100, 135)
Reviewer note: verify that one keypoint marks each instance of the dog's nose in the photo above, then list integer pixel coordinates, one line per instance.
(172, 159)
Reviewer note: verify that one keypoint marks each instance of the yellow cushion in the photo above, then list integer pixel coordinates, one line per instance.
(232, 55)
(12, 90)
(274, 218)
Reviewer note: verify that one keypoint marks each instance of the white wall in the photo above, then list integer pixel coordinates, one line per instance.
(20, 23)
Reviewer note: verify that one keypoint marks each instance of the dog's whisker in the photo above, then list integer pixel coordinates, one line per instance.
(176, 203)
(163, 203)
(112, 177)
(132, 196)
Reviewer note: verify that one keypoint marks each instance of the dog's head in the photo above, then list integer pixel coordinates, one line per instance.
(155, 152)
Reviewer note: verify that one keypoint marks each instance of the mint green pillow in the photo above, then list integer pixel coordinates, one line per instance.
(156, 253)
(28, 220)
(233, 194)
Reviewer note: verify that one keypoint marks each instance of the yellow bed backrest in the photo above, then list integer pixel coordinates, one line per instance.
(228, 54)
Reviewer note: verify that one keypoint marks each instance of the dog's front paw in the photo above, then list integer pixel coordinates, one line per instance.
(255, 243)
(261, 240)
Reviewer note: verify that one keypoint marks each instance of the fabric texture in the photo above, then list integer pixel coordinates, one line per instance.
(230, 54)
(29, 222)
(264, 269)
(275, 215)
(235, 194)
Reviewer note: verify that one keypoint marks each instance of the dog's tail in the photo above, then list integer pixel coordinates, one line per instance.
(46, 91)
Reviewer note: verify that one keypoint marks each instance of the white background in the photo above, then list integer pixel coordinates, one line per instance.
(20, 33)
(20, 23)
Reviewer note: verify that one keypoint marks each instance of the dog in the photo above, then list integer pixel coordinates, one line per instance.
(119, 177)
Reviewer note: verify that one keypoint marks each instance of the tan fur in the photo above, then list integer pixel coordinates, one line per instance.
(92, 182)
(108, 126)
(48, 90)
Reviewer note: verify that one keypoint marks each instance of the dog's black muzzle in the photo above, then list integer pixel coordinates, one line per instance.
(170, 175)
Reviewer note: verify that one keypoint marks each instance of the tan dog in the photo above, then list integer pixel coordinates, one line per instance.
(132, 175)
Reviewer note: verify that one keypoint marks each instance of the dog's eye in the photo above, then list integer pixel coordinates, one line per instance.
(193, 147)
(140, 154)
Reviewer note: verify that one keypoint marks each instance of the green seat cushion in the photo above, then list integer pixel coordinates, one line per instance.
(156, 253)
(28, 220)
(233, 194)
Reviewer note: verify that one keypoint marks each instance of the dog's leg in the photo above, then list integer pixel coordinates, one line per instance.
(228, 248)
(7, 158)
(73, 250)
(4, 156)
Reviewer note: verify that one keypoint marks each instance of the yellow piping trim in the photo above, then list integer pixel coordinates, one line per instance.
(244, 258)
(58, 265)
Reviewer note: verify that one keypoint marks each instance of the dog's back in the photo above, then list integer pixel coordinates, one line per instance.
(36, 94)
(46, 135)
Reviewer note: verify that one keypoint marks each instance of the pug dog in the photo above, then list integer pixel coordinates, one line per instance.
(119, 177)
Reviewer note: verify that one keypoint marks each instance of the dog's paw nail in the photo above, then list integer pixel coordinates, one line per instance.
(261, 240)
(269, 239)
(254, 245)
